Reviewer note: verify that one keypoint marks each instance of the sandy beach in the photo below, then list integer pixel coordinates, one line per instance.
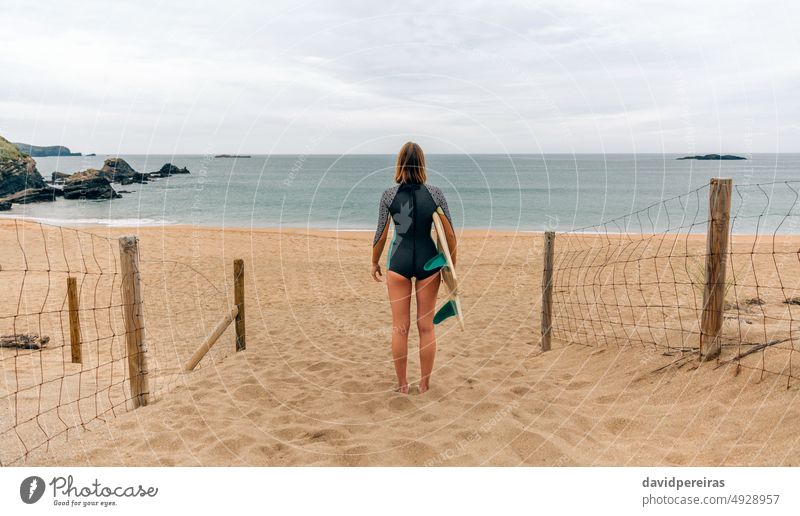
(315, 384)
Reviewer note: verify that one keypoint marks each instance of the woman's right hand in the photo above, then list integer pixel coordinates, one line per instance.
(376, 272)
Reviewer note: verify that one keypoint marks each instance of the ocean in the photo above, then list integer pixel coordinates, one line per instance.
(504, 192)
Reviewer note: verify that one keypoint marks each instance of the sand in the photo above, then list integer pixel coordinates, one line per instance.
(315, 384)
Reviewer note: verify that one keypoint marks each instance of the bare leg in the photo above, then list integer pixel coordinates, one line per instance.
(426, 290)
(400, 300)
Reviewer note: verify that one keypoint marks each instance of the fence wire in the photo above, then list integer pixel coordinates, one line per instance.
(44, 396)
(639, 279)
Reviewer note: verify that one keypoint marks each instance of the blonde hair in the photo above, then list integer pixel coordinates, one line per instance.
(410, 166)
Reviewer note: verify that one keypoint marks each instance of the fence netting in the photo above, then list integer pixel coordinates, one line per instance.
(639, 279)
(44, 395)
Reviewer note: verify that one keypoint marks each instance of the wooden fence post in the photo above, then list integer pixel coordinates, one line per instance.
(134, 320)
(238, 298)
(719, 214)
(74, 320)
(212, 339)
(547, 288)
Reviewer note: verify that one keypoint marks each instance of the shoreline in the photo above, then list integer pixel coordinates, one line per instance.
(312, 230)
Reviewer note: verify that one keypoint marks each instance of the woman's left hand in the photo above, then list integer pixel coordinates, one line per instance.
(376, 272)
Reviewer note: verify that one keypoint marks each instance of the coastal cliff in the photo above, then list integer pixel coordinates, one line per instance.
(37, 151)
(17, 172)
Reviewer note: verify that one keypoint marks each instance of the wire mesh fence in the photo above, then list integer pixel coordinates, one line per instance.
(45, 393)
(641, 279)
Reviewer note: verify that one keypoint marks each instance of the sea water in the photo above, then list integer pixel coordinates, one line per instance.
(505, 192)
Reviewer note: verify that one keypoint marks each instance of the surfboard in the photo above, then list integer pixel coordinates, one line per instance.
(452, 304)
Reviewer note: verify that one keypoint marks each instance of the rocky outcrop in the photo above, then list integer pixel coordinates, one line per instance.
(169, 170)
(58, 176)
(19, 174)
(17, 171)
(21, 183)
(138, 177)
(713, 157)
(29, 195)
(41, 152)
(117, 170)
(89, 184)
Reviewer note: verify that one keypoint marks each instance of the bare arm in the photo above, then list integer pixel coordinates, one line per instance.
(379, 241)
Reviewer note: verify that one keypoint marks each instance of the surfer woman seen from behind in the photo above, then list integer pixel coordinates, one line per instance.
(411, 204)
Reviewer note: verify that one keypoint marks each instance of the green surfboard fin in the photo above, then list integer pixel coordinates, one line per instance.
(437, 261)
(447, 310)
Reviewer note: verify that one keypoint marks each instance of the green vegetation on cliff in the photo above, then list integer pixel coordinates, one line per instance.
(8, 150)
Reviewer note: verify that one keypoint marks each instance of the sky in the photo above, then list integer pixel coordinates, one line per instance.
(339, 77)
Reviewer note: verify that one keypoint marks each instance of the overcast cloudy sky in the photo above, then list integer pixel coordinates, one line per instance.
(363, 76)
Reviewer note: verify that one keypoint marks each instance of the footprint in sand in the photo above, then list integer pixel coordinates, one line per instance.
(520, 390)
(370, 407)
(677, 459)
(401, 403)
(227, 450)
(319, 366)
(612, 399)
(577, 385)
(186, 410)
(250, 392)
(325, 435)
(413, 452)
(616, 425)
(356, 387)
(288, 433)
(255, 413)
(355, 456)
(535, 449)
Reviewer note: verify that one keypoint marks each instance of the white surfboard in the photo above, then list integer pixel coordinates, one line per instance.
(452, 304)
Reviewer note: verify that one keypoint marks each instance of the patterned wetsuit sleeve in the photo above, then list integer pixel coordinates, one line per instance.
(383, 216)
(440, 200)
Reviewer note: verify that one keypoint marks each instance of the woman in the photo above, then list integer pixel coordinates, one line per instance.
(411, 204)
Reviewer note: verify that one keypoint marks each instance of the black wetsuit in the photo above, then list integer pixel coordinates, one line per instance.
(411, 206)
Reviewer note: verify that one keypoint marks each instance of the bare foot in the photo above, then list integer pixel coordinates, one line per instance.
(402, 389)
(423, 386)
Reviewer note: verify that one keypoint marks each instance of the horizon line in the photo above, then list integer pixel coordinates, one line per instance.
(241, 154)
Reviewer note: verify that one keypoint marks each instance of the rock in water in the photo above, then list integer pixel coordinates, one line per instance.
(708, 157)
(17, 171)
(117, 170)
(58, 176)
(44, 194)
(89, 184)
(5, 205)
(138, 177)
(169, 169)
